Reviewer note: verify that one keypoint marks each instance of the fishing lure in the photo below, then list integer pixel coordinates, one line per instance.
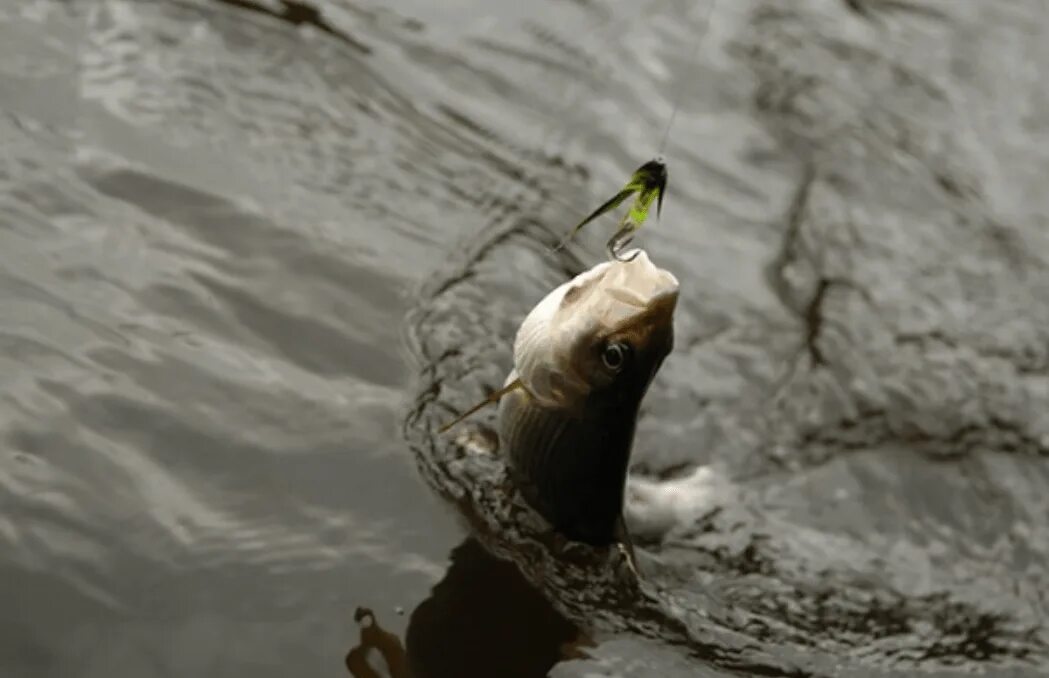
(650, 183)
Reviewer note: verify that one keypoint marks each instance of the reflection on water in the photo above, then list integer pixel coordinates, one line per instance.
(377, 639)
(482, 619)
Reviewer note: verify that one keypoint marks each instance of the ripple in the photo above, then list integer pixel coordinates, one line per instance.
(214, 218)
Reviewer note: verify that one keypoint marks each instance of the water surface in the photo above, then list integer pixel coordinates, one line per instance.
(239, 242)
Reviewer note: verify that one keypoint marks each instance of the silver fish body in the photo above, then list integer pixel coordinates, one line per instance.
(585, 357)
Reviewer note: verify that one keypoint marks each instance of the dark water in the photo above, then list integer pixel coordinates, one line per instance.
(252, 254)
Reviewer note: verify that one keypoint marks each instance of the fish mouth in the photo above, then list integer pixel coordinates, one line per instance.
(567, 432)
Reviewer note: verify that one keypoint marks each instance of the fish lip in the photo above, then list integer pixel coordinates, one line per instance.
(658, 311)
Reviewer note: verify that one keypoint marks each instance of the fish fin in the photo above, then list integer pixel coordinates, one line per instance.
(626, 545)
(659, 200)
(610, 204)
(492, 398)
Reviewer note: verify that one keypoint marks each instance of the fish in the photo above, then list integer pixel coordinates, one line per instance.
(649, 182)
(584, 358)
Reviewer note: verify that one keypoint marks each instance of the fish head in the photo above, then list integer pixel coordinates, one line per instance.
(608, 328)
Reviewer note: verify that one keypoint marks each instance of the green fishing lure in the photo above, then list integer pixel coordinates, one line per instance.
(649, 182)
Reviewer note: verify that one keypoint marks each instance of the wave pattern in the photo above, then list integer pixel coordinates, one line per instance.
(239, 239)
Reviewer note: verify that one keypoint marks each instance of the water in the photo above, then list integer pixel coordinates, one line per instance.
(250, 262)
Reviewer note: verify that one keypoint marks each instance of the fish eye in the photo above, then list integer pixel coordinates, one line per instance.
(614, 356)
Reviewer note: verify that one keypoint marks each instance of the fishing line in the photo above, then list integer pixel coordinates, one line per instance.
(585, 40)
(681, 91)
(605, 30)
(647, 184)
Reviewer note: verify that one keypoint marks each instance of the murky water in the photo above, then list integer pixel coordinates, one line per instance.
(252, 254)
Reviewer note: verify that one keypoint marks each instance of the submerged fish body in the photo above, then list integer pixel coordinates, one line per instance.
(585, 357)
